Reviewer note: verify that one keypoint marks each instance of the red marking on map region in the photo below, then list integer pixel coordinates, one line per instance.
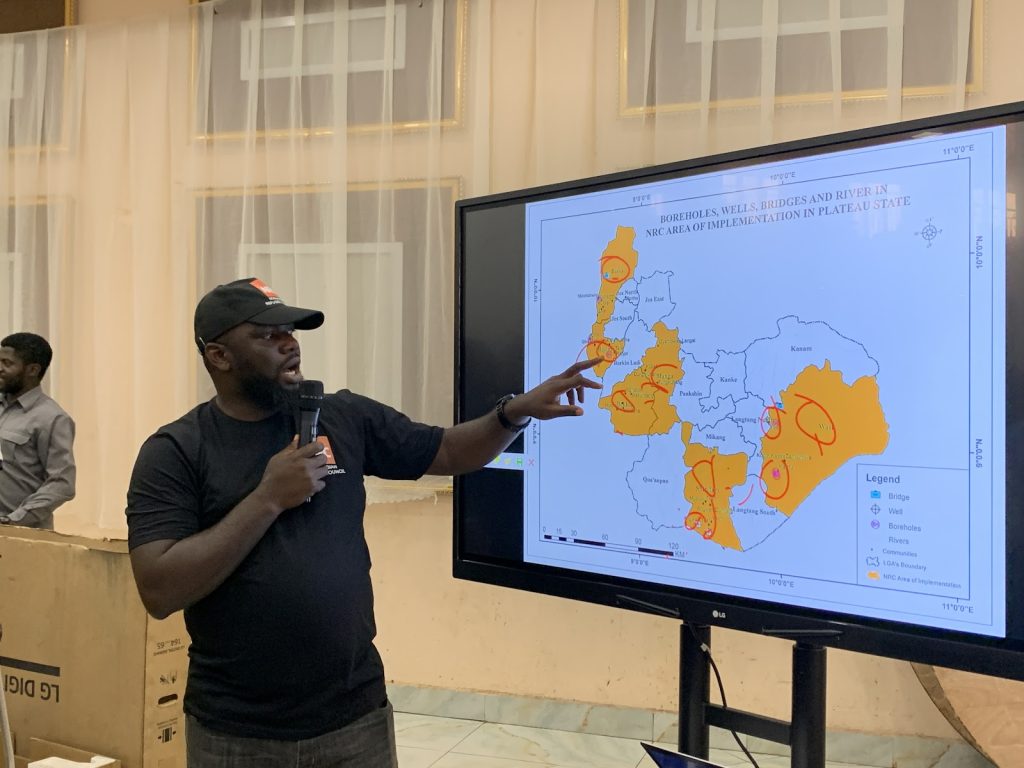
(621, 402)
(749, 494)
(823, 422)
(615, 269)
(708, 486)
(775, 475)
(599, 348)
(816, 437)
(774, 421)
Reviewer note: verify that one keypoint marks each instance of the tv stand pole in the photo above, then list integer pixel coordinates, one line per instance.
(805, 733)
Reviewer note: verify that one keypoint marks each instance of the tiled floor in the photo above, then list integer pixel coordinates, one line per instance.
(441, 742)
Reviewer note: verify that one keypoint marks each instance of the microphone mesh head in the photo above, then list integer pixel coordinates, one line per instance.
(311, 389)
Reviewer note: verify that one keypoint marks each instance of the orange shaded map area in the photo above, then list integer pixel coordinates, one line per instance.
(820, 424)
(708, 487)
(617, 265)
(639, 404)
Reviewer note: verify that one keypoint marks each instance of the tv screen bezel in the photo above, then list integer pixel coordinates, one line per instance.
(975, 653)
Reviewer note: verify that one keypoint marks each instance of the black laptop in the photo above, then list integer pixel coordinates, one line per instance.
(665, 759)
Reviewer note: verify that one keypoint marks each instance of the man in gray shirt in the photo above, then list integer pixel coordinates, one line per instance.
(36, 436)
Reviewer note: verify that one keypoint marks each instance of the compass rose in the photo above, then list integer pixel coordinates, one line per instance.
(929, 232)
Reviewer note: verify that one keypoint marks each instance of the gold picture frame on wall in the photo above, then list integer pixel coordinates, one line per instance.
(371, 291)
(33, 15)
(640, 94)
(234, 70)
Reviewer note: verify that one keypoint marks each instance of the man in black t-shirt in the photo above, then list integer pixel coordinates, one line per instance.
(261, 541)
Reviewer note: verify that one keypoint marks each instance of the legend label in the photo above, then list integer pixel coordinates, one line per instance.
(905, 539)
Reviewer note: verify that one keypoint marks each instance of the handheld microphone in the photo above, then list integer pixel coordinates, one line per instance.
(311, 394)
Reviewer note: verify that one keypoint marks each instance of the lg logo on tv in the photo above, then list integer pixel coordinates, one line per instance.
(718, 614)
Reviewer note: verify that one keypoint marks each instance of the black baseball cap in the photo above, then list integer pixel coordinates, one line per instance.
(248, 300)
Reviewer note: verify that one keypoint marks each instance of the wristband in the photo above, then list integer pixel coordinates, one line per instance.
(499, 410)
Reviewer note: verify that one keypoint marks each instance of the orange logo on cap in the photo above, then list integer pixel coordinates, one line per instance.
(265, 289)
(328, 453)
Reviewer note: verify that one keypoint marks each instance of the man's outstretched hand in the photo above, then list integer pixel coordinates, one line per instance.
(545, 400)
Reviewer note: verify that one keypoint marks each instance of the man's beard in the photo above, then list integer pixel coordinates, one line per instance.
(10, 386)
(266, 393)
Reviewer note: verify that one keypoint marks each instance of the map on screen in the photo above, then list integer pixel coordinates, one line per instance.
(802, 371)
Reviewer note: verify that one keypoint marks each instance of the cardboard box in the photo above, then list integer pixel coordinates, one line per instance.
(40, 750)
(83, 663)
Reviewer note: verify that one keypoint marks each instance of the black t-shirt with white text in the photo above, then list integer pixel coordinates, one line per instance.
(282, 649)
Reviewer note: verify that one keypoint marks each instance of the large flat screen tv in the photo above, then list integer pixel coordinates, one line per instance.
(811, 389)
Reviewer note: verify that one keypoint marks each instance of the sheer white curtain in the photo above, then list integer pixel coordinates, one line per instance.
(40, 87)
(311, 100)
(321, 144)
(609, 85)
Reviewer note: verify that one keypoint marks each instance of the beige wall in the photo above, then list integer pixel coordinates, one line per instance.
(439, 632)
